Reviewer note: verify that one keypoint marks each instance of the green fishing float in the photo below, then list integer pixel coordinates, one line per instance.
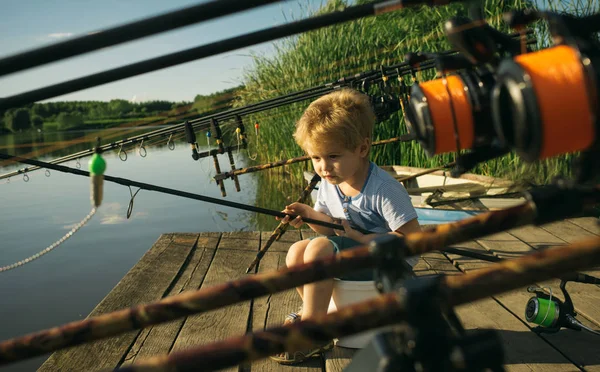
(542, 311)
(97, 166)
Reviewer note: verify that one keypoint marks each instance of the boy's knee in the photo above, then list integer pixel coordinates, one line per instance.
(295, 254)
(317, 248)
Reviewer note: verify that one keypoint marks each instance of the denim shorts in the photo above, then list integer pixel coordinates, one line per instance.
(341, 243)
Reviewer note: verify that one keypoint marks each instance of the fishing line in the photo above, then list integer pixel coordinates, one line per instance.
(130, 207)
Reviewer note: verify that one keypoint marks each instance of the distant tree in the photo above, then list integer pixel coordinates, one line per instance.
(37, 121)
(17, 120)
(39, 109)
(66, 121)
(120, 107)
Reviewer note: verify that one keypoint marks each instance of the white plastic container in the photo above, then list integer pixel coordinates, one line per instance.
(345, 293)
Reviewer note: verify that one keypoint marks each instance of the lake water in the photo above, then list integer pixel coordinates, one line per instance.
(67, 283)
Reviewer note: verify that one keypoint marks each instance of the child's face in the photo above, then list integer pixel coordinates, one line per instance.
(335, 163)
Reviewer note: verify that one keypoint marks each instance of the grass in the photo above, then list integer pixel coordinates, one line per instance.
(327, 54)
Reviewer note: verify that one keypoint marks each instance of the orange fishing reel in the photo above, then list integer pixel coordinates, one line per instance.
(453, 112)
(546, 103)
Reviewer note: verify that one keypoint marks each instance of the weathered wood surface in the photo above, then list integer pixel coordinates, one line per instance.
(184, 262)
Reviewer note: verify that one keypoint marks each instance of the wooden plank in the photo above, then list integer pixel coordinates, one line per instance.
(285, 241)
(591, 224)
(242, 240)
(467, 263)
(157, 269)
(158, 340)
(270, 311)
(524, 351)
(228, 264)
(568, 231)
(338, 358)
(536, 237)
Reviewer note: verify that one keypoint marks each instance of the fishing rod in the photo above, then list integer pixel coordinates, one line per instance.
(165, 190)
(348, 14)
(127, 32)
(203, 122)
(544, 204)
(280, 163)
(417, 303)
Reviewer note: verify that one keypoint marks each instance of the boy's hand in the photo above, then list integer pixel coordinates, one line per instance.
(298, 209)
(348, 231)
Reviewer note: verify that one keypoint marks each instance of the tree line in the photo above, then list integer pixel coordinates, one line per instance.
(63, 115)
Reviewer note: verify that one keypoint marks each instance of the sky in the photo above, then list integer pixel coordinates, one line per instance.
(28, 24)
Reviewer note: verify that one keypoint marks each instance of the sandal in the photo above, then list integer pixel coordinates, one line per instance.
(293, 317)
(300, 356)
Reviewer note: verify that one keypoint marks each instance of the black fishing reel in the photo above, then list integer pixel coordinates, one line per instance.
(550, 313)
(454, 112)
(432, 338)
(547, 103)
(384, 106)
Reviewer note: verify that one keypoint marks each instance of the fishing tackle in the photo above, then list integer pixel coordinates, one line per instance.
(122, 153)
(97, 166)
(171, 143)
(190, 137)
(552, 314)
(214, 125)
(142, 149)
(453, 112)
(546, 103)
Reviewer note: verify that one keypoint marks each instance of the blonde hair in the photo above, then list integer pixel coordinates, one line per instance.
(345, 116)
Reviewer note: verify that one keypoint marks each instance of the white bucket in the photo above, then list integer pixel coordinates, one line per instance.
(345, 293)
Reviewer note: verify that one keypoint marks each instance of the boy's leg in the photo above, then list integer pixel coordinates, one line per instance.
(317, 295)
(295, 256)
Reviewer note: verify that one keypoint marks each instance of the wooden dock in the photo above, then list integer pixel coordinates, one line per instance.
(185, 262)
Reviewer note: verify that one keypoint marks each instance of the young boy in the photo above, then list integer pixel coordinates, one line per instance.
(335, 131)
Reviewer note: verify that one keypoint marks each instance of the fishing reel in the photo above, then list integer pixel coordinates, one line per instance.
(552, 314)
(453, 112)
(546, 103)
